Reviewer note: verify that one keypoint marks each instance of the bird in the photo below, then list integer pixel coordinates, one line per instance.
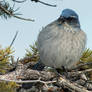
(62, 42)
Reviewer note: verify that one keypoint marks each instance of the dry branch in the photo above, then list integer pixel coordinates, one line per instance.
(41, 77)
(36, 2)
(81, 65)
(72, 86)
(24, 74)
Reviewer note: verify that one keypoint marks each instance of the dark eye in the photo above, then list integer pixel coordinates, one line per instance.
(71, 19)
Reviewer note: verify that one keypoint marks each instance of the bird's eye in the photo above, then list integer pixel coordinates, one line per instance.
(71, 19)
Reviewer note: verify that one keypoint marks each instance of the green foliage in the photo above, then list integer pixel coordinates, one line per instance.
(32, 52)
(5, 9)
(5, 55)
(87, 58)
(8, 86)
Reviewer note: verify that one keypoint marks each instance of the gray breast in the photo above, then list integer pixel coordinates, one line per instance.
(59, 46)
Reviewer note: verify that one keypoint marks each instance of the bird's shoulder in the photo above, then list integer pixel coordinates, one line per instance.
(47, 29)
(52, 23)
(82, 33)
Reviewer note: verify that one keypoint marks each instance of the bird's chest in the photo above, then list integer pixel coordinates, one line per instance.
(64, 41)
(61, 46)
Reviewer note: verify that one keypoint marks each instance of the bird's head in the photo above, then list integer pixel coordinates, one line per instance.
(69, 16)
(68, 13)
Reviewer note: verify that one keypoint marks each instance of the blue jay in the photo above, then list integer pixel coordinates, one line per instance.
(62, 42)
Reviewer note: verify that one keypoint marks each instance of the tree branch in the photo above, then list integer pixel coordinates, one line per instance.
(19, 1)
(13, 39)
(36, 2)
(43, 3)
(11, 14)
(81, 65)
(72, 86)
(23, 74)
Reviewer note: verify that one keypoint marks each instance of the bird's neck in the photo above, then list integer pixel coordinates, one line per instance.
(74, 24)
(70, 28)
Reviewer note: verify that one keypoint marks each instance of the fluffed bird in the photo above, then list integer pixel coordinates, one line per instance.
(62, 42)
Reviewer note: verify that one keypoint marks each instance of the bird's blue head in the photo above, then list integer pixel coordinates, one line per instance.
(69, 13)
(69, 16)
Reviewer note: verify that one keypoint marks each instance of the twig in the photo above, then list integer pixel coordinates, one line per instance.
(7, 12)
(19, 1)
(72, 86)
(81, 65)
(84, 71)
(47, 4)
(13, 39)
(12, 60)
(10, 45)
(43, 3)
(35, 1)
(28, 81)
(23, 18)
